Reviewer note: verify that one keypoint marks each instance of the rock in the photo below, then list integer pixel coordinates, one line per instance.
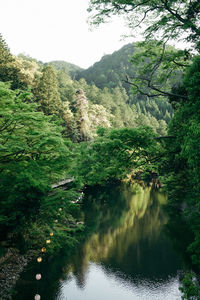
(10, 268)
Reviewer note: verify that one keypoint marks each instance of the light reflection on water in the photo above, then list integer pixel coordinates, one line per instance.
(102, 285)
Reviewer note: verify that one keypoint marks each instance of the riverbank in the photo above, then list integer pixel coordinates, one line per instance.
(11, 266)
(63, 220)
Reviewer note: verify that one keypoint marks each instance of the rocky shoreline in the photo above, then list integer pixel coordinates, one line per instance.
(11, 266)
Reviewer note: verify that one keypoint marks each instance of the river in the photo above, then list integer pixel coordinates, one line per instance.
(126, 254)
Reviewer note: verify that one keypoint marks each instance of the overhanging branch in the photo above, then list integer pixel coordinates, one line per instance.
(151, 86)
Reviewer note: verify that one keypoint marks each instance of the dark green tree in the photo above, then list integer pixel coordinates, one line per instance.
(46, 92)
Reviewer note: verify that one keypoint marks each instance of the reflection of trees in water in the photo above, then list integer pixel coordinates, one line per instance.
(79, 269)
(140, 222)
(133, 228)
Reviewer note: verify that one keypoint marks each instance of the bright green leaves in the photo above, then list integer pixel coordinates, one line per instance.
(115, 153)
(25, 133)
(33, 155)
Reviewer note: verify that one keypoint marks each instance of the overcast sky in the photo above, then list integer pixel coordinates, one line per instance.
(57, 30)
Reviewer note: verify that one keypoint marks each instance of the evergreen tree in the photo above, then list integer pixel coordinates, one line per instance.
(5, 56)
(65, 86)
(46, 92)
(9, 70)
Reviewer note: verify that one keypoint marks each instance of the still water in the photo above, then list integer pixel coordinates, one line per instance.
(126, 253)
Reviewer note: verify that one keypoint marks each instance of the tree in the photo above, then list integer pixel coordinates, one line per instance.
(33, 155)
(162, 129)
(65, 86)
(181, 162)
(99, 117)
(28, 69)
(46, 92)
(117, 100)
(5, 55)
(158, 69)
(80, 108)
(9, 71)
(169, 19)
(115, 153)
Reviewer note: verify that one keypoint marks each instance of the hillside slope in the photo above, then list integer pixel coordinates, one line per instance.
(111, 70)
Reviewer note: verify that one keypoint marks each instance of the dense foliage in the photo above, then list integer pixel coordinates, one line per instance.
(113, 70)
(115, 153)
(33, 156)
(102, 126)
(185, 155)
(48, 132)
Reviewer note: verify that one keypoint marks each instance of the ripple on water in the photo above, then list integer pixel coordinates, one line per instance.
(104, 285)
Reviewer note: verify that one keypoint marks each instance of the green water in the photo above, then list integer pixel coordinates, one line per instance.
(126, 253)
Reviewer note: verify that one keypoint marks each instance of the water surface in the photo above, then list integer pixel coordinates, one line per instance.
(126, 255)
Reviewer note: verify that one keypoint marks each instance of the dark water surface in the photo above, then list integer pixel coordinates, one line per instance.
(126, 254)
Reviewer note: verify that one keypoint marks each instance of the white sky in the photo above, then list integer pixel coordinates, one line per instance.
(57, 30)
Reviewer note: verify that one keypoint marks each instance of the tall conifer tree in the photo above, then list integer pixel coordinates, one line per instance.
(46, 92)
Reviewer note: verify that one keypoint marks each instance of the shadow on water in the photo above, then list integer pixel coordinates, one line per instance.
(124, 239)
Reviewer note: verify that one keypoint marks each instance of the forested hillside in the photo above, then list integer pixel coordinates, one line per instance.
(113, 70)
(64, 66)
(114, 94)
(117, 101)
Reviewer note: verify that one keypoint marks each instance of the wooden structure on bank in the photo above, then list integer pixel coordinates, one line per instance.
(62, 183)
